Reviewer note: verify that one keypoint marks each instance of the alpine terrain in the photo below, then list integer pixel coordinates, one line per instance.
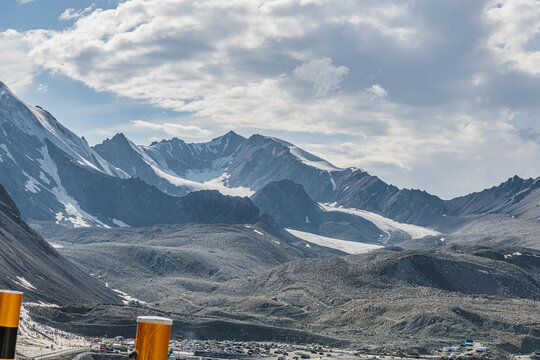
(253, 238)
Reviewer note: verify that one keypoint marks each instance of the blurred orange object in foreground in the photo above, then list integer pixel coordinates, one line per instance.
(10, 314)
(152, 342)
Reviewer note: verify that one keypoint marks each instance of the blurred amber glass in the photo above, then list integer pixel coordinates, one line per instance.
(153, 335)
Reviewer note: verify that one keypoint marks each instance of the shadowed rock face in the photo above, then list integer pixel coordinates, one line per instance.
(460, 273)
(288, 203)
(358, 189)
(31, 265)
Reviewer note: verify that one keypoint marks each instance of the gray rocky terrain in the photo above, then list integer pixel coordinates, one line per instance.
(29, 264)
(408, 296)
(390, 298)
(149, 262)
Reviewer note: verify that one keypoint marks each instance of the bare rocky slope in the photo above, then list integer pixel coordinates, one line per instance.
(172, 259)
(390, 298)
(31, 265)
(422, 297)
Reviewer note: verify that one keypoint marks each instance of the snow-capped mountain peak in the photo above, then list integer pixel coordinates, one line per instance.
(229, 163)
(27, 136)
(174, 166)
(34, 121)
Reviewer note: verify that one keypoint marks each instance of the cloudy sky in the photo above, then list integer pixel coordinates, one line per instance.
(437, 95)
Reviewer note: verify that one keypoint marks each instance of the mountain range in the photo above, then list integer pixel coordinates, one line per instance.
(53, 175)
(241, 164)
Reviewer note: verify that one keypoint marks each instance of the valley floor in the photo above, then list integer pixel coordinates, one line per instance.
(104, 348)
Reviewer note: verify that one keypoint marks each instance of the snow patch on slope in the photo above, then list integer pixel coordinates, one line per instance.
(25, 283)
(69, 142)
(215, 170)
(214, 184)
(334, 186)
(36, 122)
(127, 298)
(311, 160)
(32, 184)
(385, 224)
(120, 223)
(218, 184)
(349, 247)
(73, 212)
(8, 153)
(195, 180)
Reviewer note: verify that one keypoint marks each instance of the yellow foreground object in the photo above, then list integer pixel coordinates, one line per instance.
(10, 314)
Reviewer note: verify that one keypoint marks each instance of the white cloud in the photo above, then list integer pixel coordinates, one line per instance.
(24, 1)
(405, 146)
(174, 129)
(70, 14)
(17, 70)
(42, 88)
(166, 52)
(170, 52)
(376, 91)
(452, 163)
(237, 64)
(321, 74)
(514, 24)
(385, 18)
(268, 105)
